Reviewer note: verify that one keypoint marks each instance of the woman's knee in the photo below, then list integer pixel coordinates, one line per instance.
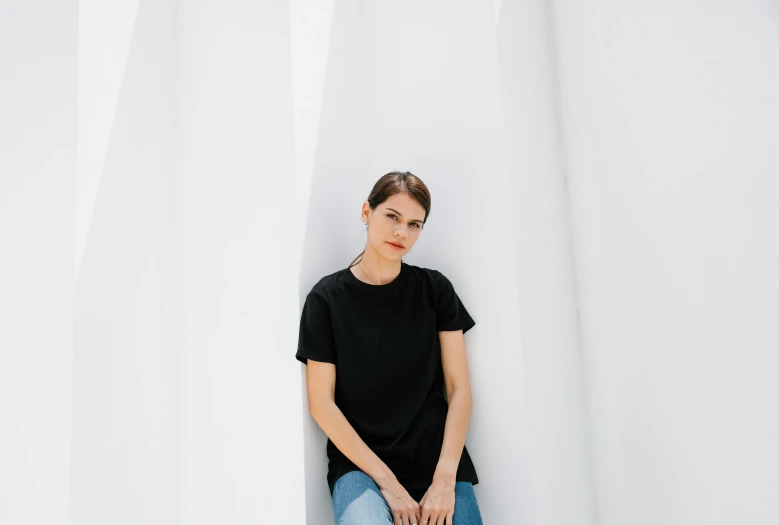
(358, 501)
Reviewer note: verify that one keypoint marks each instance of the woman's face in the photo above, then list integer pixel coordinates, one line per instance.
(396, 220)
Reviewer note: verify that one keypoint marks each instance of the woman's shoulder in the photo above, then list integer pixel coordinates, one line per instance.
(431, 275)
(328, 283)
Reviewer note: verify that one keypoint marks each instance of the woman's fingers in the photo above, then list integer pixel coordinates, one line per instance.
(403, 508)
(406, 518)
(411, 517)
(424, 517)
(414, 513)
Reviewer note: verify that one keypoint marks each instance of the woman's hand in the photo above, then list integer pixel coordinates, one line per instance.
(437, 505)
(404, 509)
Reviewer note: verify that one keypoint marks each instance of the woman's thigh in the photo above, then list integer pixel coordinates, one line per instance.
(357, 501)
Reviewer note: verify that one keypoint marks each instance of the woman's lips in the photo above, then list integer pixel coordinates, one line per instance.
(395, 246)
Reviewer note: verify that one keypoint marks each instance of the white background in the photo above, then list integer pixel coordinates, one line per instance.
(176, 175)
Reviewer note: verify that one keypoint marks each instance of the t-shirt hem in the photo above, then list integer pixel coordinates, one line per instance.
(304, 359)
(455, 326)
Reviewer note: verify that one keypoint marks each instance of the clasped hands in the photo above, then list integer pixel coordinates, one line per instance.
(435, 508)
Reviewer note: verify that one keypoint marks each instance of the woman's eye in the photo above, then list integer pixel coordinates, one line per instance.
(392, 216)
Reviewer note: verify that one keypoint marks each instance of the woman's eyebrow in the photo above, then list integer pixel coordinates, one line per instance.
(400, 214)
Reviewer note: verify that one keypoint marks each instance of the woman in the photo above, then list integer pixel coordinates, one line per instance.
(383, 340)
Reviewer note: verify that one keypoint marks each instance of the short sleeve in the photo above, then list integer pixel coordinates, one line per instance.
(315, 338)
(450, 310)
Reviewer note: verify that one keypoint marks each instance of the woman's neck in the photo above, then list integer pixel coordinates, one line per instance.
(377, 268)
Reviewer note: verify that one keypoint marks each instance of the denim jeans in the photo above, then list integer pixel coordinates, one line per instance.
(357, 501)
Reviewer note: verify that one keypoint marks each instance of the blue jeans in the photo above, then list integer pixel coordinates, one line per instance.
(357, 501)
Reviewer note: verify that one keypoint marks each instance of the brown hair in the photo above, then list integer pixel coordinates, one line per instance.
(393, 183)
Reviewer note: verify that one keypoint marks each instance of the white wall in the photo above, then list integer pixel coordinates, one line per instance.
(554, 380)
(240, 455)
(670, 117)
(38, 80)
(125, 373)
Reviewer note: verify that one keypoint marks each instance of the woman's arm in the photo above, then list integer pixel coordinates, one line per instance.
(321, 403)
(458, 392)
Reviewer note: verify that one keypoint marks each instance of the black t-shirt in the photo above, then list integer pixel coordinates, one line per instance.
(389, 385)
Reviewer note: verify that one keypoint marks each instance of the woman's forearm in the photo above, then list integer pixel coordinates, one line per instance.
(457, 420)
(335, 425)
